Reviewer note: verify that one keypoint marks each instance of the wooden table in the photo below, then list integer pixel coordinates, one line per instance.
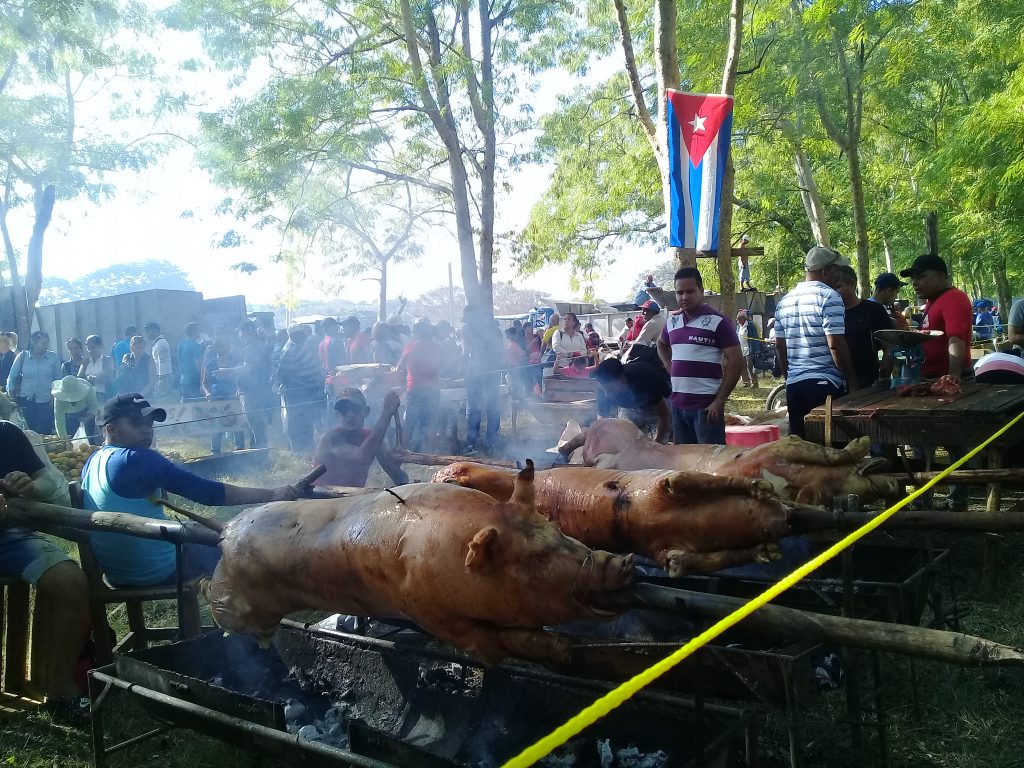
(958, 422)
(955, 421)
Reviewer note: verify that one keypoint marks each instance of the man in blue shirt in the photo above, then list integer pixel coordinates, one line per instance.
(190, 358)
(810, 340)
(126, 475)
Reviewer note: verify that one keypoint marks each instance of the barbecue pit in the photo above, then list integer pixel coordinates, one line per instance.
(377, 703)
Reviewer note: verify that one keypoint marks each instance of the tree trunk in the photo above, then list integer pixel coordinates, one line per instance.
(726, 276)
(45, 197)
(485, 122)
(860, 216)
(382, 300)
(888, 254)
(439, 110)
(1003, 293)
(666, 63)
(811, 198)
(931, 232)
(21, 314)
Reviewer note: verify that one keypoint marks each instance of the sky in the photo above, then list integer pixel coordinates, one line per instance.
(146, 219)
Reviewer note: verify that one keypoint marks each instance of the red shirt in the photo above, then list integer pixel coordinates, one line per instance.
(422, 364)
(638, 325)
(951, 313)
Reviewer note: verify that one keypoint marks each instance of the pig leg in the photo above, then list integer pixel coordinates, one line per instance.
(233, 613)
(679, 562)
(796, 450)
(684, 483)
(572, 444)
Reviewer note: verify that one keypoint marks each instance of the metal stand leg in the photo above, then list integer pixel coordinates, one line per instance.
(851, 657)
(796, 735)
(992, 504)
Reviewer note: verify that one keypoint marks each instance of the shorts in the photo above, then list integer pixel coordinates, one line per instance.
(27, 555)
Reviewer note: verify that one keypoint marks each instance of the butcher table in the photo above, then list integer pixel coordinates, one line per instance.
(956, 422)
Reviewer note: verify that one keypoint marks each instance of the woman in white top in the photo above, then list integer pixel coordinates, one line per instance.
(568, 342)
(97, 368)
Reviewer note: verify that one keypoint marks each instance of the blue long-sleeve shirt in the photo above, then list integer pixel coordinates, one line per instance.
(37, 375)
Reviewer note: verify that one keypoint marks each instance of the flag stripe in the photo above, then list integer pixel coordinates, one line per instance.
(695, 191)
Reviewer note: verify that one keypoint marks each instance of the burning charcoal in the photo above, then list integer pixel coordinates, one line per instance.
(447, 679)
(634, 758)
(309, 733)
(604, 751)
(335, 717)
(293, 710)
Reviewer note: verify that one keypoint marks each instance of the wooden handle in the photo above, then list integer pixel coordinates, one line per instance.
(315, 474)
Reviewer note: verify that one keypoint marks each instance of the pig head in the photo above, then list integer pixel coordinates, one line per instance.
(802, 471)
(484, 575)
(686, 521)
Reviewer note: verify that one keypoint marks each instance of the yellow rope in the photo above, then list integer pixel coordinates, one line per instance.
(614, 698)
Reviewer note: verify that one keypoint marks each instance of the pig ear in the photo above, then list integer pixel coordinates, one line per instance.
(478, 553)
(522, 495)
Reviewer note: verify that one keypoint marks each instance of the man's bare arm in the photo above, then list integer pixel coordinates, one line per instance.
(732, 366)
(958, 351)
(665, 354)
(841, 355)
(664, 420)
(780, 353)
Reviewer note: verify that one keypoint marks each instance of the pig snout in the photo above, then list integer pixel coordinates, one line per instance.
(608, 572)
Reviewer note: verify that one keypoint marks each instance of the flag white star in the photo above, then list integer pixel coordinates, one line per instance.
(697, 123)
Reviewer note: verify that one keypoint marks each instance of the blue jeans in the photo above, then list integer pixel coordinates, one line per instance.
(691, 427)
(421, 407)
(482, 398)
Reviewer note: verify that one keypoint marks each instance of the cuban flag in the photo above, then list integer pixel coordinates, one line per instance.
(699, 126)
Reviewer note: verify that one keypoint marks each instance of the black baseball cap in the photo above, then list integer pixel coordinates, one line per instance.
(888, 280)
(350, 397)
(128, 404)
(926, 261)
(607, 369)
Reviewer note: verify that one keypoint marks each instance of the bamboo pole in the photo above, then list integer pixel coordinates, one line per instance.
(32, 514)
(1006, 476)
(938, 645)
(411, 457)
(809, 519)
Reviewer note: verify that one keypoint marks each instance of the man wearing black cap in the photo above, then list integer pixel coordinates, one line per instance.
(946, 309)
(637, 391)
(126, 475)
(349, 449)
(887, 288)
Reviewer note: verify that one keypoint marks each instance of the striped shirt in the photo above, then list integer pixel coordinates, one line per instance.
(697, 343)
(804, 318)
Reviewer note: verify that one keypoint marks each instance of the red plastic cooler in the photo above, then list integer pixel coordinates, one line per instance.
(748, 437)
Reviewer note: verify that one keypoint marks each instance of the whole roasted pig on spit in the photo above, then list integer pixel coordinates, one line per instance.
(484, 575)
(686, 521)
(802, 471)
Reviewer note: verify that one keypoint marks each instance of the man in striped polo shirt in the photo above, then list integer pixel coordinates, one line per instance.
(701, 351)
(810, 323)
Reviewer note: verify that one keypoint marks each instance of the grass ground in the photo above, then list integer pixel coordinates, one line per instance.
(969, 718)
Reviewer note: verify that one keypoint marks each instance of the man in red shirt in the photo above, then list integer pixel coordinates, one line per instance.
(947, 309)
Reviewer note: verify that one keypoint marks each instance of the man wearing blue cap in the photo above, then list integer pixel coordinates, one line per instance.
(127, 475)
